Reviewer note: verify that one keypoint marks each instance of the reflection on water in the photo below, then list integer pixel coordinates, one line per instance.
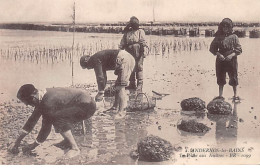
(110, 141)
(226, 127)
(179, 73)
(196, 117)
(197, 114)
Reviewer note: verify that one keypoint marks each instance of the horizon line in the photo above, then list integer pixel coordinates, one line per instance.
(101, 22)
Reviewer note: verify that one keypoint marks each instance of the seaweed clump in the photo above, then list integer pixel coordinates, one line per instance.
(219, 106)
(192, 126)
(193, 104)
(154, 149)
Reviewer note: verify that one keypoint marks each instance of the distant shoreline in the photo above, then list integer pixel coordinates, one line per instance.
(169, 23)
(158, 28)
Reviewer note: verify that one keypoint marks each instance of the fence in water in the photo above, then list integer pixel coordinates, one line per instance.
(55, 54)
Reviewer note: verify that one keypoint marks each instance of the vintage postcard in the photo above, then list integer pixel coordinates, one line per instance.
(129, 82)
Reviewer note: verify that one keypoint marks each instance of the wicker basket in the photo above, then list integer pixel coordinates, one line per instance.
(141, 102)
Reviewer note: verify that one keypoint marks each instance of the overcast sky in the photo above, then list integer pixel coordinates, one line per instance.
(122, 10)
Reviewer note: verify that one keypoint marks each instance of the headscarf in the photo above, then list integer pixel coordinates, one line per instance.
(225, 22)
(132, 25)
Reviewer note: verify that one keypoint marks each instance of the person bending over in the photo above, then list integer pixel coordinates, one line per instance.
(60, 107)
(123, 65)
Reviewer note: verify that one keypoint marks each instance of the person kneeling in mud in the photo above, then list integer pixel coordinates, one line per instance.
(60, 107)
(119, 60)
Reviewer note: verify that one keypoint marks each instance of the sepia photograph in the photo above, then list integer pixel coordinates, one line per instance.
(129, 82)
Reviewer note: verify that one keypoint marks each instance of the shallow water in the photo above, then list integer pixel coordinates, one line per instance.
(108, 141)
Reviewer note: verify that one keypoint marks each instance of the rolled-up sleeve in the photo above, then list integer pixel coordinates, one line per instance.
(33, 119)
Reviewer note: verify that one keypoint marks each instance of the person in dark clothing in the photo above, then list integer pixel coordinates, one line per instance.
(119, 60)
(60, 107)
(133, 41)
(226, 47)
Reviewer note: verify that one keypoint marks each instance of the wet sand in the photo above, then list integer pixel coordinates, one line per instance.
(235, 138)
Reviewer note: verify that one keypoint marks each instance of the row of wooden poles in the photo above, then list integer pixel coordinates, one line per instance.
(56, 54)
(195, 32)
(149, 30)
(52, 54)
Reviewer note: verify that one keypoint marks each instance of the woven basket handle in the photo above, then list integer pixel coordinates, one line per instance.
(146, 98)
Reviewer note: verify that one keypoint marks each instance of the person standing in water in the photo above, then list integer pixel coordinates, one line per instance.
(123, 65)
(133, 41)
(226, 47)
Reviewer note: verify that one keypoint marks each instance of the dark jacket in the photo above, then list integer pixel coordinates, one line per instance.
(225, 45)
(55, 99)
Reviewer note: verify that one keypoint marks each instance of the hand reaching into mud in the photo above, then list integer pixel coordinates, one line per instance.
(13, 148)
